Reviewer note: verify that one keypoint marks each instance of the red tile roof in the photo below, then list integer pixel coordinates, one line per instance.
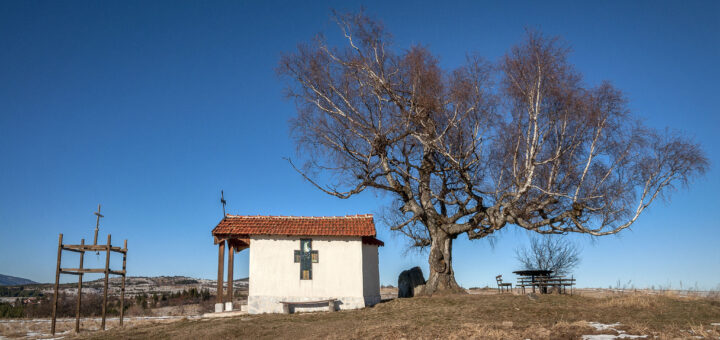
(353, 225)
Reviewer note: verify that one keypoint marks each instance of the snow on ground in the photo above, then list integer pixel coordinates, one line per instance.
(609, 327)
(611, 337)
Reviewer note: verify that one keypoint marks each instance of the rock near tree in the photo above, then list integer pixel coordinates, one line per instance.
(410, 282)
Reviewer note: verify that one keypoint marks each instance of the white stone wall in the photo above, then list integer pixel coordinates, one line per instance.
(275, 277)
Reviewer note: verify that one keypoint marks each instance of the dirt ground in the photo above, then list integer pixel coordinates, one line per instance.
(483, 314)
(40, 328)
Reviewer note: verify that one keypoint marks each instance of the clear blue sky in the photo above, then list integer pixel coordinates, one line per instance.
(151, 108)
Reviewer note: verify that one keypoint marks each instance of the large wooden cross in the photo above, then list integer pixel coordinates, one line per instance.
(306, 257)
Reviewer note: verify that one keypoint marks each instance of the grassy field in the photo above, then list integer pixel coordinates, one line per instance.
(480, 316)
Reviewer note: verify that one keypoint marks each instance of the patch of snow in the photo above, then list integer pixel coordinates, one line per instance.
(602, 326)
(609, 327)
(612, 337)
(44, 336)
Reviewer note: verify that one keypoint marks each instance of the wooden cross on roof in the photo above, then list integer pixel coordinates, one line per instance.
(97, 224)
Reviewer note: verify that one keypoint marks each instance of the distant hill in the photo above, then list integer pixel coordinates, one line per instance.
(7, 280)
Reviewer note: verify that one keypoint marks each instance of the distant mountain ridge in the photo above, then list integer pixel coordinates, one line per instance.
(7, 280)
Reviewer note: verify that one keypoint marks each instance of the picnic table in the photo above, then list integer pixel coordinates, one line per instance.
(533, 272)
(542, 279)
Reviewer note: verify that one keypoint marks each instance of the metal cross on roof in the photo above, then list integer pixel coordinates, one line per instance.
(97, 224)
(223, 201)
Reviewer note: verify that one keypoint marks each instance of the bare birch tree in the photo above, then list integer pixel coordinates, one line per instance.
(475, 149)
(549, 253)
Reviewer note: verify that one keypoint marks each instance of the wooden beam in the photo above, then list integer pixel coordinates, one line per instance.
(105, 291)
(79, 293)
(221, 266)
(57, 283)
(231, 253)
(122, 288)
(80, 271)
(90, 247)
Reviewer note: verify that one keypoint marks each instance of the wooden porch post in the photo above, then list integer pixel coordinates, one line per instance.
(231, 252)
(57, 282)
(221, 266)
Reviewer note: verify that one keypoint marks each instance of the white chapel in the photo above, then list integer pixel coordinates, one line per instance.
(301, 262)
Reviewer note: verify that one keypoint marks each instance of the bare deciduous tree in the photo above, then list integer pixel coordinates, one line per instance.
(472, 150)
(549, 253)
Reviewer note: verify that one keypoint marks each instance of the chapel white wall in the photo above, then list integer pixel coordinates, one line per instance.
(274, 276)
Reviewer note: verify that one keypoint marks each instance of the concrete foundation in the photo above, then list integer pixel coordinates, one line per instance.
(218, 308)
(372, 300)
(271, 304)
(228, 306)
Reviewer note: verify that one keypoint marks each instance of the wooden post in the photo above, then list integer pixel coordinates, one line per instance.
(79, 292)
(57, 283)
(221, 266)
(231, 251)
(122, 288)
(105, 292)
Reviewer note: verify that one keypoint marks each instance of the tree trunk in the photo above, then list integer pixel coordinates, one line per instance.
(442, 276)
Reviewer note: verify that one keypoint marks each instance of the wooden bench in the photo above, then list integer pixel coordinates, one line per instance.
(545, 282)
(503, 285)
(525, 281)
(330, 303)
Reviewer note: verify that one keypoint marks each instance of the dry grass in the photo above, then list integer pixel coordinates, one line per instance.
(40, 328)
(461, 317)
(630, 301)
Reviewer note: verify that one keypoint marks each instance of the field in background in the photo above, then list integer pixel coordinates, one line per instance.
(483, 314)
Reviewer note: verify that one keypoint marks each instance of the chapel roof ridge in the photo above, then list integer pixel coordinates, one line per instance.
(244, 225)
(302, 217)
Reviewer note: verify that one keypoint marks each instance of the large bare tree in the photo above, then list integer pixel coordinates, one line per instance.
(472, 150)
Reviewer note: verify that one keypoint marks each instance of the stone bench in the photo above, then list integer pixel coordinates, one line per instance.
(330, 303)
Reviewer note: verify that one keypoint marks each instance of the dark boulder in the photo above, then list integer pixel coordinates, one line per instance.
(410, 282)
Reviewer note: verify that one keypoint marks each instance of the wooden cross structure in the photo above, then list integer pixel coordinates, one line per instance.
(80, 271)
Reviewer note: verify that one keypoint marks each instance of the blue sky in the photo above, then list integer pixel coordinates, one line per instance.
(151, 108)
